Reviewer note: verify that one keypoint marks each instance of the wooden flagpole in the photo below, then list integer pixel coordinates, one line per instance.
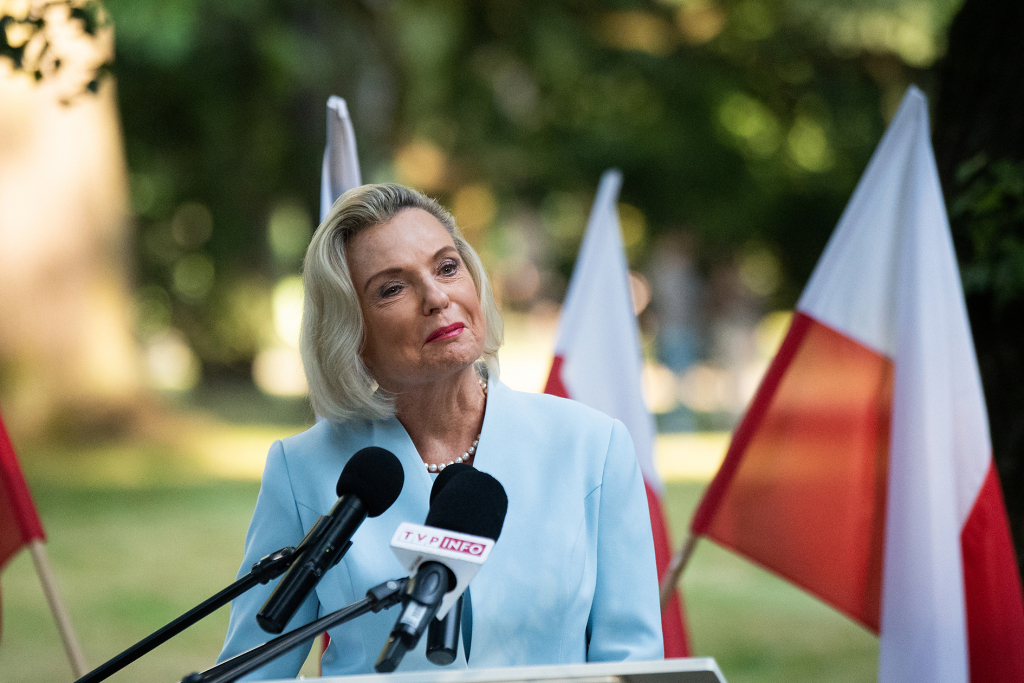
(675, 568)
(60, 613)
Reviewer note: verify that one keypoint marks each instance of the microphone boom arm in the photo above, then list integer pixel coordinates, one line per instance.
(267, 569)
(380, 597)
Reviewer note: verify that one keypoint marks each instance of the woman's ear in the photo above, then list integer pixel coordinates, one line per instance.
(363, 356)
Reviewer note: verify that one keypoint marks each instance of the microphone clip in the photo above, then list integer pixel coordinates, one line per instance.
(388, 594)
(273, 565)
(420, 601)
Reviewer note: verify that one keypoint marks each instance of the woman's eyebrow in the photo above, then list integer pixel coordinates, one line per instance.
(386, 271)
(396, 271)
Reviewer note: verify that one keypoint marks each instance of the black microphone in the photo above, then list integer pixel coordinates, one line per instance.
(465, 519)
(369, 484)
(443, 634)
(445, 476)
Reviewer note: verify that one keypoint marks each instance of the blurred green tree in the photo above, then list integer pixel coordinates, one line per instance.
(744, 123)
(738, 121)
(741, 123)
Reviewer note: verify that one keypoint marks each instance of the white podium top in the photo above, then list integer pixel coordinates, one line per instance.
(686, 670)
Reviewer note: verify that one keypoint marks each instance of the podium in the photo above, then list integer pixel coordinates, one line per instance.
(685, 670)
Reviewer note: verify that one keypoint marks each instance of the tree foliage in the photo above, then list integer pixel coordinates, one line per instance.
(58, 40)
(743, 123)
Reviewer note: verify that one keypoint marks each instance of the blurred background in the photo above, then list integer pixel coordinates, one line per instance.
(160, 179)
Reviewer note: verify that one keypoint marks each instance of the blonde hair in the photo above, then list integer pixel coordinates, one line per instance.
(340, 385)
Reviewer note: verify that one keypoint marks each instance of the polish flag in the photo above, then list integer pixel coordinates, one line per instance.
(19, 521)
(863, 469)
(598, 362)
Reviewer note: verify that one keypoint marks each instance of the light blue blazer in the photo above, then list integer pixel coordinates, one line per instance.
(571, 579)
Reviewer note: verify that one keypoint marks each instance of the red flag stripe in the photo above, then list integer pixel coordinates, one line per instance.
(992, 590)
(554, 385)
(808, 499)
(673, 631)
(24, 524)
(712, 499)
(19, 521)
(677, 642)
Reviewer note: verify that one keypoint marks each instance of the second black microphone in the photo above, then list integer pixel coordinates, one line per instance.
(369, 484)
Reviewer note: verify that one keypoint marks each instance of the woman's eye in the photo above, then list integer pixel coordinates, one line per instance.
(449, 268)
(390, 290)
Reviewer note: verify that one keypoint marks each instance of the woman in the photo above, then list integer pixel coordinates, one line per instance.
(400, 336)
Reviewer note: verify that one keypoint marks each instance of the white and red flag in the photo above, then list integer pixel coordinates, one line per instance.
(598, 362)
(862, 470)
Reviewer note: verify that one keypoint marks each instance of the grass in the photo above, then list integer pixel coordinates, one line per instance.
(132, 552)
(128, 561)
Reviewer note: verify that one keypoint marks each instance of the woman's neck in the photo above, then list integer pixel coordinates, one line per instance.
(443, 418)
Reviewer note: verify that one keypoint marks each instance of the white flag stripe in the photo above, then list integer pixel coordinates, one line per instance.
(340, 170)
(851, 288)
(924, 623)
(936, 320)
(598, 337)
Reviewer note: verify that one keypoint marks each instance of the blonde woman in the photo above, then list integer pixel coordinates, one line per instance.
(400, 336)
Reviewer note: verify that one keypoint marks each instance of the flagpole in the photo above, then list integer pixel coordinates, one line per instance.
(60, 613)
(675, 568)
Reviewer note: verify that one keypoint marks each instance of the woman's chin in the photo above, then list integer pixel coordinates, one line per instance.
(431, 370)
(458, 351)
(453, 362)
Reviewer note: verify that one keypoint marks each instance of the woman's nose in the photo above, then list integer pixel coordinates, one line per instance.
(434, 298)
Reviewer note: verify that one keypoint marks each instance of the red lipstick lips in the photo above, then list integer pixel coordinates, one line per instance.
(452, 330)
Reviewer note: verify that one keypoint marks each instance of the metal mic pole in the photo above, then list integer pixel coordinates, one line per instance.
(267, 569)
(383, 596)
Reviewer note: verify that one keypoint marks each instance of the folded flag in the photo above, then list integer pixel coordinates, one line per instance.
(340, 170)
(862, 470)
(598, 362)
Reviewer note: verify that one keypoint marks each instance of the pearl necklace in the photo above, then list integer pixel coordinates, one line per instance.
(470, 452)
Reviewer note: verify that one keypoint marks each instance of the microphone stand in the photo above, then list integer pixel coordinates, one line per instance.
(380, 597)
(267, 569)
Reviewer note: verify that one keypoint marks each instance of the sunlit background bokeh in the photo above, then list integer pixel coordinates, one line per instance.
(152, 235)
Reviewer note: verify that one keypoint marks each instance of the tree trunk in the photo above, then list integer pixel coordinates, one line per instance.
(67, 351)
(980, 110)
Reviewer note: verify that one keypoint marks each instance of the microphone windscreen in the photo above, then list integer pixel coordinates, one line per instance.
(444, 477)
(374, 476)
(473, 502)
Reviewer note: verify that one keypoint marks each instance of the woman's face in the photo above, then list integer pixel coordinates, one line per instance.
(420, 307)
